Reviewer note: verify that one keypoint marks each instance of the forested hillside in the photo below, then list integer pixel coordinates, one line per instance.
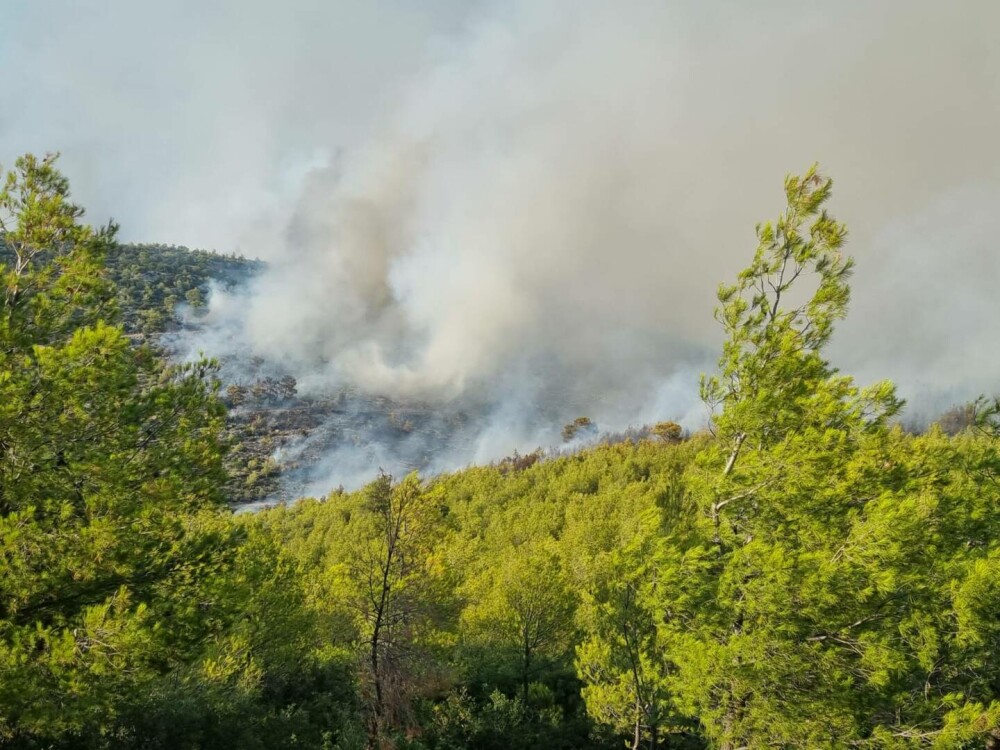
(803, 574)
(152, 280)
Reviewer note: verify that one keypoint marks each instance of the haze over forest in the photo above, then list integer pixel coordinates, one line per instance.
(513, 209)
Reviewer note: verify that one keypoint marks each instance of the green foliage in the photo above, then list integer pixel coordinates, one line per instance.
(986, 415)
(669, 432)
(152, 280)
(812, 604)
(50, 265)
(493, 559)
(523, 606)
(773, 379)
(134, 611)
(802, 575)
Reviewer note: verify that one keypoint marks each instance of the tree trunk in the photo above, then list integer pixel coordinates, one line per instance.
(527, 667)
(376, 717)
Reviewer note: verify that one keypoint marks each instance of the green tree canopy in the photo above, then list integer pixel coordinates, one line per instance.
(111, 514)
(813, 602)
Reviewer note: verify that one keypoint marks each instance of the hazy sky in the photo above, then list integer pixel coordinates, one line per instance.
(539, 193)
(193, 122)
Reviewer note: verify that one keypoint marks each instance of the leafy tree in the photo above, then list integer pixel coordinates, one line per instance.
(668, 432)
(734, 610)
(51, 277)
(620, 662)
(387, 570)
(110, 476)
(368, 564)
(612, 543)
(804, 608)
(986, 415)
(524, 606)
(194, 298)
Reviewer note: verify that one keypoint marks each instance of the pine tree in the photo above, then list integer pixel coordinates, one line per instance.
(744, 595)
(814, 604)
(111, 512)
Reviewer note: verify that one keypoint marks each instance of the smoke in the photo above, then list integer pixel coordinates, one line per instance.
(558, 196)
(194, 122)
(533, 223)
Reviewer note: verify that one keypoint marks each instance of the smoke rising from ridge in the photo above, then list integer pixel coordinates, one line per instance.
(534, 225)
(557, 197)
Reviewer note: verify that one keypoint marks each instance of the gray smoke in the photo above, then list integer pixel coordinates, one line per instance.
(533, 222)
(194, 122)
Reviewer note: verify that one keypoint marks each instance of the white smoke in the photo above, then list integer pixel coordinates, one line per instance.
(535, 225)
(554, 200)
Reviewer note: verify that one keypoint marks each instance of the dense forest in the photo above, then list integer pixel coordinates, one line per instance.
(802, 574)
(151, 281)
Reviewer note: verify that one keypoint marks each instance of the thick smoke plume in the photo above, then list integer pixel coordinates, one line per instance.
(535, 225)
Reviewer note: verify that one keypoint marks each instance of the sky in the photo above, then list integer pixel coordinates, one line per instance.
(532, 202)
(194, 122)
